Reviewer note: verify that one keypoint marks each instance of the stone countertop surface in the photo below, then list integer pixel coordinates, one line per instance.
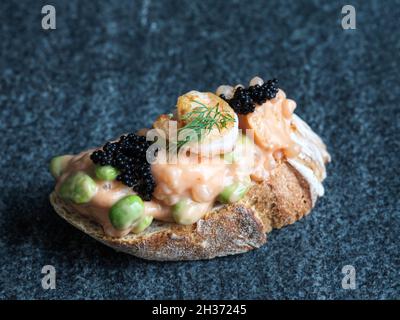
(112, 67)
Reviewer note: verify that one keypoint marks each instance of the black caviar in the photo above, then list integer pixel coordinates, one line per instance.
(128, 155)
(244, 100)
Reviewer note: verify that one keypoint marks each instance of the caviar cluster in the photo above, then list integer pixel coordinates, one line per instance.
(244, 100)
(128, 155)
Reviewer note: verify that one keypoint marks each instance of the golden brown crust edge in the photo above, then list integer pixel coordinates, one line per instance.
(227, 230)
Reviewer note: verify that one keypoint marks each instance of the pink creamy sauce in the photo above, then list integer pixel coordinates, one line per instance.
(199, 179)
(202, 179)
(189, 178)
(108, 192)
(272, 126)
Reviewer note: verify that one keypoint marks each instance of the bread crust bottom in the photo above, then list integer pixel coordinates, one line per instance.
(225, 230)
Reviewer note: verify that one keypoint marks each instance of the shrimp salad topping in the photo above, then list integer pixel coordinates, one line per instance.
(210, 150)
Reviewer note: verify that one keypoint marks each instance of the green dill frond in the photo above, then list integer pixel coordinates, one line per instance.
(202, 120)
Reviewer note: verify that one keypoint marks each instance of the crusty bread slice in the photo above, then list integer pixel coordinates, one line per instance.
(228, 229)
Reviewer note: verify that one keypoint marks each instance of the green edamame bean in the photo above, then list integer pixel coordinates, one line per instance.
(187, 212)
(233, 193)
(126, 211)
(179, 210)
(107, 173)
(143, 224)
(79, 188)
(58, 164)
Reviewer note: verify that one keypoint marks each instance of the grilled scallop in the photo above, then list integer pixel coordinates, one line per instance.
(203, 123)
(220, 122)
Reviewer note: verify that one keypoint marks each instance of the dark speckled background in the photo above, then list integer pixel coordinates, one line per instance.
(111, 67)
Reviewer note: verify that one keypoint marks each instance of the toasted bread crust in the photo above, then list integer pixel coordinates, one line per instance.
(229, 229)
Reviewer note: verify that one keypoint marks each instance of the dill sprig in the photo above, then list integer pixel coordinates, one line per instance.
(201, 121)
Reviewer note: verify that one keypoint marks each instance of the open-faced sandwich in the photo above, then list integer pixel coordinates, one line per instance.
(210, 179)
